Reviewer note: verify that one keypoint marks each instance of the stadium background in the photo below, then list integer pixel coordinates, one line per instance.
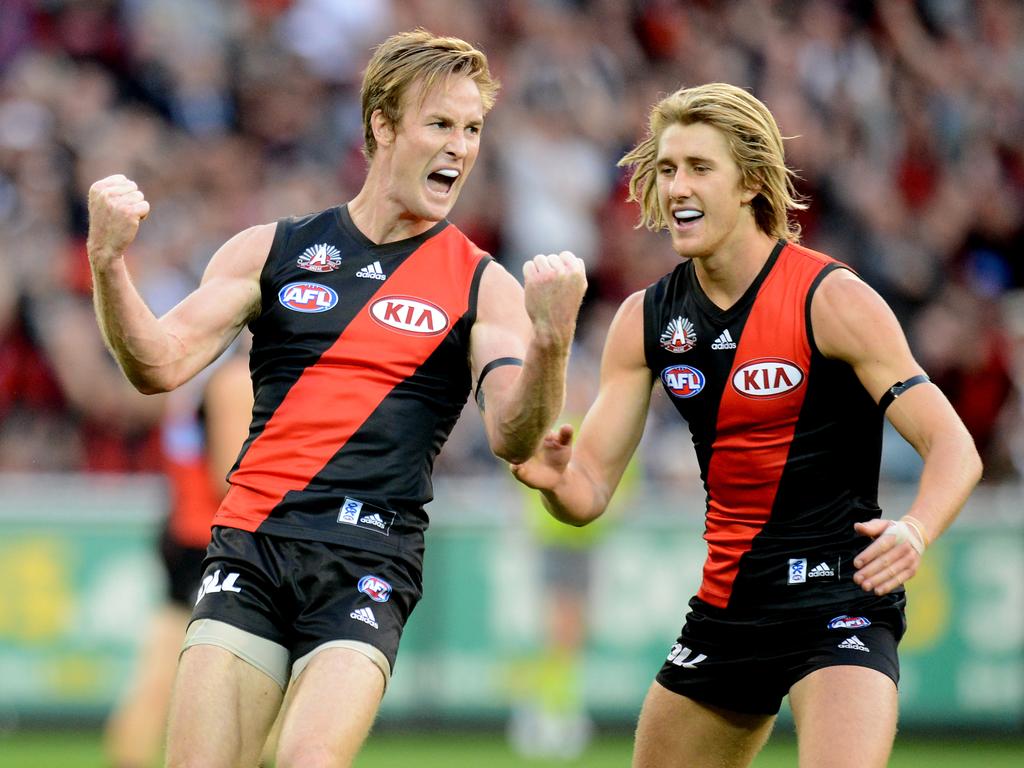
(908, 126)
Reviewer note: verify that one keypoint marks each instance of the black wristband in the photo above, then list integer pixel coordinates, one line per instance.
(491, 366)
(899, 388)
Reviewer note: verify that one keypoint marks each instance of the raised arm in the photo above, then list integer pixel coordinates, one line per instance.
(158, 355)
(577, 485)
(852, 323)
(519, 403)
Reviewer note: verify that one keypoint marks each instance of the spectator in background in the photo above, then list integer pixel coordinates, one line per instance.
(911, 118)
(204, 425)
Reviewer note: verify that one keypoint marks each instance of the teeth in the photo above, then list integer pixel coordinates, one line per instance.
(687, 215)
(449, 172)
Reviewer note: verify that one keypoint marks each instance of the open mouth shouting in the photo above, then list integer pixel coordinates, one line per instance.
(442, 180)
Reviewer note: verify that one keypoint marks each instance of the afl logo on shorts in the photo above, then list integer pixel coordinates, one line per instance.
(408, 315)
(375, 588)
(683, 380)
(767, 377)
(307, 297)
(849, 622)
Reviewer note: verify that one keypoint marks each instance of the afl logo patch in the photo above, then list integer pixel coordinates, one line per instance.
(849, 622)
(375, 588)
(409, 315)
(307, 297)
(767, 377)
(682, 380)
(321, 257)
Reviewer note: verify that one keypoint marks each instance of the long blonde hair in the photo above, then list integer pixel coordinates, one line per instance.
(424, 59)
(754, 142)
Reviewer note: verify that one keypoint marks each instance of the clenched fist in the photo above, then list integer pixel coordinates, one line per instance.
(116, 208)
(554, 286)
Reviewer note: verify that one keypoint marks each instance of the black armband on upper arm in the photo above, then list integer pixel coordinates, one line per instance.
(899, 388)
(478, 394)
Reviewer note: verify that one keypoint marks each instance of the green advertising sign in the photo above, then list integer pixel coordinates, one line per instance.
(80, 579)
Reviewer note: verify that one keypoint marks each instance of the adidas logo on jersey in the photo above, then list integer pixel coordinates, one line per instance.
(724, 341)
(374, 520)
(366, 616)
(821, 569)
(372, 271)
(854, 643)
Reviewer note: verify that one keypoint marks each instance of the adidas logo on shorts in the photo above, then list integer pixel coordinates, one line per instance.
(821, 569)
(375, 520)
(853, 643)
(366, 616)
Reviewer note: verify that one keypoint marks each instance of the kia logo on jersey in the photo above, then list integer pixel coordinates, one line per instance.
(683, 380)
(409, 315)
(767, 377)
(307, 297)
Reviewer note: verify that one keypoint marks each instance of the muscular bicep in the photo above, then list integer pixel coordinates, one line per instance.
(501, 332)
(614, 424)
(852, 323)
(208, 319)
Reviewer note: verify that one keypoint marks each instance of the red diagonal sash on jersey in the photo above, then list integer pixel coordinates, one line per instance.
(334, 397)
(753, 434)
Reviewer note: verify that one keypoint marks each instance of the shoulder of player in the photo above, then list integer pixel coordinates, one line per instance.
(625, 341)
(847, 314)
(244, 254)
(497, 283)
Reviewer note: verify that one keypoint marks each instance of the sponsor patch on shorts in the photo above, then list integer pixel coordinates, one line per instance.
(849, 622)
(375, 588)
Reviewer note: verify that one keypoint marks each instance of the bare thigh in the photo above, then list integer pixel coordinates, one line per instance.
(845, 717)
(675, 731)
(221, 710)
(332, 707)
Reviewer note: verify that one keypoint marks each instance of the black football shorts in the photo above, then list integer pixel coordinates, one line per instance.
(302, 594)
(184, 567)
(750, 665)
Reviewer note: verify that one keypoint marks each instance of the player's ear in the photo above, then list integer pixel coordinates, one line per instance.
(383, 128)
(749, 193)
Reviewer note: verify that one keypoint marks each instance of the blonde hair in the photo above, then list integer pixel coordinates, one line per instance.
(424, 59)
(754, 142)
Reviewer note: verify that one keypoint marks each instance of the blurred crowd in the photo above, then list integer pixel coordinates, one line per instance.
(907, 132)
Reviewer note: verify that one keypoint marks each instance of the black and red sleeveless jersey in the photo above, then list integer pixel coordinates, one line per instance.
(788, 441)
(360, 367)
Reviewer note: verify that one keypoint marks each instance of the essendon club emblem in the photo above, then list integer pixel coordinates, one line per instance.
(409, 315)
(321, 257)
(679, 336)
(767, 377)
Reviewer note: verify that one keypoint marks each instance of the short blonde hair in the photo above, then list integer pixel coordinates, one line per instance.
(754, 142)
(422, 58)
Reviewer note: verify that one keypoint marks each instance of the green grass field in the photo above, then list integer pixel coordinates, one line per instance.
(475, 750)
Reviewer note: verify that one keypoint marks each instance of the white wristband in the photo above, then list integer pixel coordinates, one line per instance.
(905, 532)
